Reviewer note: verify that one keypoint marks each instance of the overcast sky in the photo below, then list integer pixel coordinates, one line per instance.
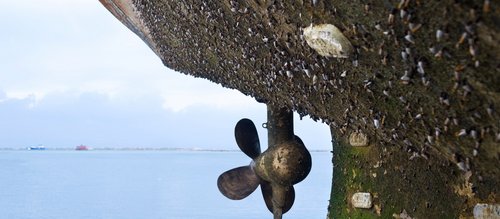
(70, 74)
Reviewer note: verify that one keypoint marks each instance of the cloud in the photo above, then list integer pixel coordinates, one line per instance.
(219, 98)
(66, 120)
(62, 120)
(79, 47)
(46, 5)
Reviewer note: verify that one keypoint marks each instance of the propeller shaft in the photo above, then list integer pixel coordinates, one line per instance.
(279, 125)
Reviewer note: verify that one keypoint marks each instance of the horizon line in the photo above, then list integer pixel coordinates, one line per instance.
(137, 149)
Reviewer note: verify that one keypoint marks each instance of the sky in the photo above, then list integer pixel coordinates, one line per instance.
(71, 74)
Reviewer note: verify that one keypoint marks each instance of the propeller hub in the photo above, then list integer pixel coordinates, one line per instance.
(285, 164)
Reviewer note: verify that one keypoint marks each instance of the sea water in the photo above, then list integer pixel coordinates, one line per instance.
(141, 184)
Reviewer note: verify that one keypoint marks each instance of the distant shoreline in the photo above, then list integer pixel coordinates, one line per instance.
(136, 149)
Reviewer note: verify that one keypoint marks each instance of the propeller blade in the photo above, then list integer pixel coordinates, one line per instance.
(267, 193)
(238, 183)
(247, 138)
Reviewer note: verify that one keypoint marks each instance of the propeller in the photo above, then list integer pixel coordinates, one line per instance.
(240, 182)
(275, 174)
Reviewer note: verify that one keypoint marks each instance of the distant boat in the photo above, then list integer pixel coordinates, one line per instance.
(36, 148)
(82, 148)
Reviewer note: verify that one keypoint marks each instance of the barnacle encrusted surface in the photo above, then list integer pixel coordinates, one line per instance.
(422, 83)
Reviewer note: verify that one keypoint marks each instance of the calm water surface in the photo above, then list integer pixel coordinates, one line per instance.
(140, 184)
